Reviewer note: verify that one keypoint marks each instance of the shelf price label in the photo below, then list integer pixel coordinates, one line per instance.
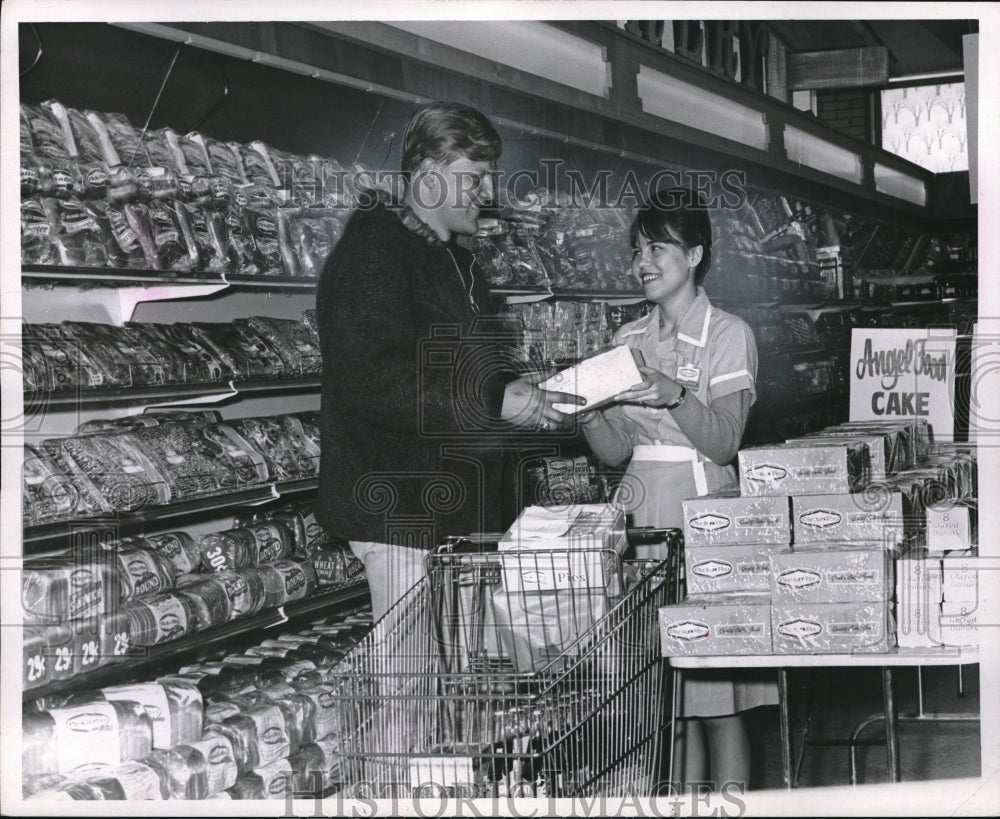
(899, 374)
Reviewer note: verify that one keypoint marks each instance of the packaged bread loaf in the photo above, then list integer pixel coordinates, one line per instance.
(246, 546)
(142, 571)
(197, 769)
(178, 547)
(209, 599)
(63, 740)
(259, 736)
(276, 779)
(160, 618)
(57, 589)
(245, 589)
(287, 580)
(175, 710)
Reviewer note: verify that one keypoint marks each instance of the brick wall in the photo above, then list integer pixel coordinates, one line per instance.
(846, 110)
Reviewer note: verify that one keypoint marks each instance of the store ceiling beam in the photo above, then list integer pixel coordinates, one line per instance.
(843, 68)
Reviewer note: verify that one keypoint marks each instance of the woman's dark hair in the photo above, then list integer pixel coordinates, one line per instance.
(445, 131)
(676, 213)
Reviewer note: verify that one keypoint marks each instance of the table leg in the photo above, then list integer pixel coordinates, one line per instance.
(891, 726)
(675, 696)
(786, 732)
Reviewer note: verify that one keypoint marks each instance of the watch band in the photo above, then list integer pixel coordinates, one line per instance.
(679, 401)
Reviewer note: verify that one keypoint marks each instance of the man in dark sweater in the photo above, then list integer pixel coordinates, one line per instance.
(415, 392)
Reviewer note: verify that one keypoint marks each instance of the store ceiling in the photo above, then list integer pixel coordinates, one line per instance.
(915, 46)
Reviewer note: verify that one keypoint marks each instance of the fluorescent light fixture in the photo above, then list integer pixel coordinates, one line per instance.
(899, 184)
(815, 152)
(530, 46)
(954, 76)
(671, 99)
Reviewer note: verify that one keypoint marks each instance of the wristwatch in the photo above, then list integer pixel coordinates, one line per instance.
(679, 401)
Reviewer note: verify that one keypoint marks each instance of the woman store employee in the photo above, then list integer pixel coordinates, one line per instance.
(679, 430)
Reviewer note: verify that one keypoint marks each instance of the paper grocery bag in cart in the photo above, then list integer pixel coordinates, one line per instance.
(540, 628)
(561, 566)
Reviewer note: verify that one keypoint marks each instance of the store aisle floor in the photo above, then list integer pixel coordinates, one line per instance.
(842, 698)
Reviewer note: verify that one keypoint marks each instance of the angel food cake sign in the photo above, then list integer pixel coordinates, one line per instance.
(900, 374)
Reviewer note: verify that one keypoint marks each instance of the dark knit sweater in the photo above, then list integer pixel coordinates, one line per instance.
(406, 453)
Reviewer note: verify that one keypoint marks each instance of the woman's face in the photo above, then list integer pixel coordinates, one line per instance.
(664, 268)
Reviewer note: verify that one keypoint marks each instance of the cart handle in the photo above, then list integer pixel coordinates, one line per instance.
(474, 543)
(488, 541)
(643, 535)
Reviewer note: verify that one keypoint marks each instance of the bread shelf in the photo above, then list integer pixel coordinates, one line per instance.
(49, 537)
(64, 274)
(68, 274)
(165, 393)
(143, 660)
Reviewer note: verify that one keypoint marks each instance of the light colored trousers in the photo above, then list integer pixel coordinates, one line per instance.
(392, 571)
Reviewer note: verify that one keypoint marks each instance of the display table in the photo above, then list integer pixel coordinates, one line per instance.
(782, 662)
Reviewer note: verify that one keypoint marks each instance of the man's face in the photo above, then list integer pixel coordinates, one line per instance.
(464, 187)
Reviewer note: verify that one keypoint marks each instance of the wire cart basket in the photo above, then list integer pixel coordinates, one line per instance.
(518, 673)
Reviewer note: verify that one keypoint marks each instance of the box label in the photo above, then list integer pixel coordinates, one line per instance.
(688, 631)
(711, 523)
(713, 568)
(799, 578)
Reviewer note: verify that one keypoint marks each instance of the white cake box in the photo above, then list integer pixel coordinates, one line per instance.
(841, 574)
(728, 568)
(818, 467)
(719, 624)
(831, 628)
(726, 516)
(873, 517)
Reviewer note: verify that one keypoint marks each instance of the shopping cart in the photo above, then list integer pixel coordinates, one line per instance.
(523, 673)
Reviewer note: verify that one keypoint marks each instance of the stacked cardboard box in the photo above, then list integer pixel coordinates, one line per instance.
(811, 537)
(831, 600)
(728, 539)
(937, 599)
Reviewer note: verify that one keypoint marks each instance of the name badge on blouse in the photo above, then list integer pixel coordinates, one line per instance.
(688, 375)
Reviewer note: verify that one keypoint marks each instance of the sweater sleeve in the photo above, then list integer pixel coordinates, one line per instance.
(610, 435)
(716, 429)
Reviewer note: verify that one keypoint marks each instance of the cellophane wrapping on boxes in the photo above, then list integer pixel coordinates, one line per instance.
(720, 624)
(727, 516)
(872, 516)
(804, 468)
(728, 568)
(832, 628)
(839, 574)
